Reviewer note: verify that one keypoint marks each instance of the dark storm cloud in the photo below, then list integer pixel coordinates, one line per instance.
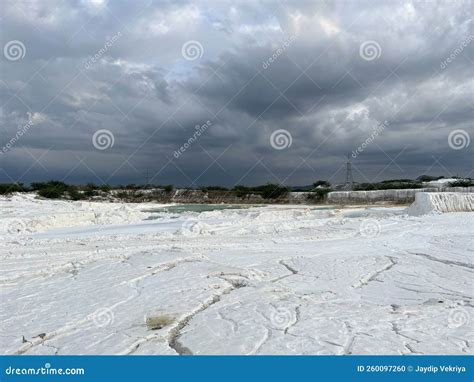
(264, 66)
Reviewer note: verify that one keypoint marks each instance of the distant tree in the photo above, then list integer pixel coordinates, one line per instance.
(169, 188)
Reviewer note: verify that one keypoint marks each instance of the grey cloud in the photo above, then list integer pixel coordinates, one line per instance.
(318, 88)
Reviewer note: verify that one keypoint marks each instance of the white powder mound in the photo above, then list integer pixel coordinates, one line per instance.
(440, 183)
(440, 202)
(26, 213)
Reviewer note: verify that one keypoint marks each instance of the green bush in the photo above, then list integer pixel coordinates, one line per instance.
(105, 188)
(123, 195)
(272, 191)
(51, 193)
(242, 191)
(8, 188)
(397, 181)
(387, 185)
(91, 186)
(37, 186)
(88, 193)
(214, 188)
(267, 191)
(52, 189)
(74, 193)
(319, 194)
(462, 183)
(169, 188)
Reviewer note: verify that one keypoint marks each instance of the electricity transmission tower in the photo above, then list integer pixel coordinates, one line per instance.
(147, 179)
(349, 184)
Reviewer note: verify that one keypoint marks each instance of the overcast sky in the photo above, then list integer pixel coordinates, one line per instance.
(103, 91)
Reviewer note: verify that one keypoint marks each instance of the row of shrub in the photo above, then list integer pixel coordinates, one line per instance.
(406, 184)
(56, 189)
(267, 191)
(462, 183)
(8, 188)
(388, 185)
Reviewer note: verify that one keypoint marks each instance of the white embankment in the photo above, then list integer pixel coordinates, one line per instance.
(439, 202)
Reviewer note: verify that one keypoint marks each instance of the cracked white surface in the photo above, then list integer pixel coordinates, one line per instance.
(264, 280)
